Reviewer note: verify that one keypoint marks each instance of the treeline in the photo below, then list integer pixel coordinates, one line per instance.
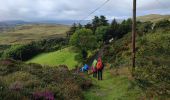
(102, 29)
(26, 51)
(93, 35)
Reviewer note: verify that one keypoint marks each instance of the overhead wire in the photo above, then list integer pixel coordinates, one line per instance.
(94, 11)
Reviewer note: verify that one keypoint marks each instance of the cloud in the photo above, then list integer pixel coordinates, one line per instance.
(77, 9)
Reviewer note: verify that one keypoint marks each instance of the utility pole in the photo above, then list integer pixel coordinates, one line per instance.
(133, 36)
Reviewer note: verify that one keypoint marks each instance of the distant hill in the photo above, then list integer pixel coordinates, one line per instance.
(63, 22)
(153, 17)
(13, 22)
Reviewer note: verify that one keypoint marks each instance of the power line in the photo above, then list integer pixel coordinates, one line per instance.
(94, 10)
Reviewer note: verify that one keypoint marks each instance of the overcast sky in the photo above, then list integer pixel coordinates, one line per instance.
(77, 9)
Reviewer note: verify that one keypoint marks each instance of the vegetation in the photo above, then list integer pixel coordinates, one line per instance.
(32, 32)
(152, 60)
(102, 33)
(114, 87)
(65, 56)
(154, 18)
(151, 76)
(20, 81)
(26, 51)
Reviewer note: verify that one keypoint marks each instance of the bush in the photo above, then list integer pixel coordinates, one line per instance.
(153, 58)
(33, 81)
(26, 51)
(9, 66)
(119, 52)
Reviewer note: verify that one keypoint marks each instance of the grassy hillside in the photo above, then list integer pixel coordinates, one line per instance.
(153, 18)
(152, 61)
(61, 57)
(32, 32)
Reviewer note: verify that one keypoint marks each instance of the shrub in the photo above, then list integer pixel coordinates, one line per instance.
(26, 51)
(153, 70)
(33, 81)
(8, 66)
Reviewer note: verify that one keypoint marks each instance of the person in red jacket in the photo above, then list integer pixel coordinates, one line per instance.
(100, 68)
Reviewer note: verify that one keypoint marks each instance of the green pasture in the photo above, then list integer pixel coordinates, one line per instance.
(61, 57)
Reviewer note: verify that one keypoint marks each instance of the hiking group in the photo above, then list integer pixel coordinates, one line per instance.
(96, 67)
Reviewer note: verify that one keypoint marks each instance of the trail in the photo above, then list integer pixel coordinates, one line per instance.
(99, 53)
(113, 87)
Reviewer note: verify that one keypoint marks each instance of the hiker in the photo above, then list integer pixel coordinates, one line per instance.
(99, 68)
(84, 68)
(94, 69)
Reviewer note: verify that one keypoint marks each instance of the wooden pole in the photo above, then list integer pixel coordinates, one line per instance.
(133, 35)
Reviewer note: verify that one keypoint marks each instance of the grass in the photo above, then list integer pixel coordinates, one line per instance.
(61, 57)
(26, 33)
(113, 88)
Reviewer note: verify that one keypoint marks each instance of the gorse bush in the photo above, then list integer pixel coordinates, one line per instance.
(33, 81)
(153, 63)
(26, 51)
(118, 53)
(152, 58)
(162, 24)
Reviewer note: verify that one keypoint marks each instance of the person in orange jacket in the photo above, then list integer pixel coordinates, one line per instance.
(100, 66)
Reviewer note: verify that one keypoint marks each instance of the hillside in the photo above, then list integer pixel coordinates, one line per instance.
(153, 17)
(31, 32)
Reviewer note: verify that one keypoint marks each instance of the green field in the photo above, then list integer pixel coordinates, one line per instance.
(113, 87)
(61, 57)
(32, 32)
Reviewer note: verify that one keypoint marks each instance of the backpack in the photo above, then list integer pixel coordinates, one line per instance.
(85, 67)
(99, 64)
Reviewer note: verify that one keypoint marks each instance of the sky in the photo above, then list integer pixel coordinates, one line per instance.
(77, 9)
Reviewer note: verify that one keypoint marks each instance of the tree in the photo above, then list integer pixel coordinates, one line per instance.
(114, 31)
(95, 23)
(143, 27)
(72, 30)
(103, 21)
(114, 24)
(79, 26)
(88, 26)
(124, 27)
(162, 24)
(102, 33)
(83, 39)
(99, 21)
